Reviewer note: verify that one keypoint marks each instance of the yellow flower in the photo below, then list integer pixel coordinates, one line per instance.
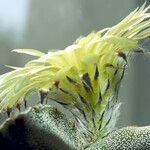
(84, 77)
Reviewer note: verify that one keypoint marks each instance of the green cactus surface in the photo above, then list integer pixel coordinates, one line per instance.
(46, 128)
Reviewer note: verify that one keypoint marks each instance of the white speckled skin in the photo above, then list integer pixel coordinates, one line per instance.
(46, 128)
(41, 128)
(128, 138)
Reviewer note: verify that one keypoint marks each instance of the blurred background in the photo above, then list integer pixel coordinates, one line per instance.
(55, 24)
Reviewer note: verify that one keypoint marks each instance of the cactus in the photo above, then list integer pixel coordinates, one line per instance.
(46, 128)
(84, 79)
